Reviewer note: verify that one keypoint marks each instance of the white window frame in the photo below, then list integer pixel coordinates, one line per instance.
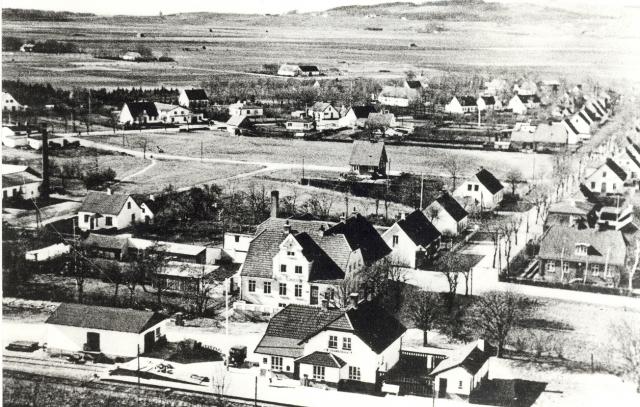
(318, 372)
(282, 288)
(550, 267)
(354, 373)
(595, 270)
(266, 287)
(394, 240)
(333, 340)
(346, 343)
(297, 269)
(297, 291)
(276, 363)
(252, 286)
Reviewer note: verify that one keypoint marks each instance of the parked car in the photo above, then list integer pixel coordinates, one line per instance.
(23, 346)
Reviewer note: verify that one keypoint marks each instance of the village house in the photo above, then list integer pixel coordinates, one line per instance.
(20, 182)
(356, 116)
(340, 349)
(609, 178)
(521, 104)
(629, 161)
(48, 253)
(288, 70)
(581, 124)
(10, 104)
(301, 124)
(382, 119)
(525, 88)
(569, 255)
(27, 47)
(236, 124)
(571, 213)
(413, 240)
(368, 158)
(398, 96)
(324, 114)
(130, 56)
(613, 213)
(463, 371)
(244, 109)
(447, 215)
(177, 114)
(485, 103)
(495, 87)
(412, 84)
(139, 112)
(111, 331)
(192, 278)
(461, 105)
(547, 136)
(236, 245)
(299, 262)
(308, 70)
(105, 210)
(483, 190)
(194, 99)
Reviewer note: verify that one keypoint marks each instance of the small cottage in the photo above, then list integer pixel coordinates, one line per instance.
(368, 157)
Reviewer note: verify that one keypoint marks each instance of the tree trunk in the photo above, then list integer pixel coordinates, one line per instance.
(425, 341)
(500, 348)
(80, 291)
(115, 293)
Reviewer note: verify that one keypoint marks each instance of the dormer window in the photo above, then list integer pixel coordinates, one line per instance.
(581, 249)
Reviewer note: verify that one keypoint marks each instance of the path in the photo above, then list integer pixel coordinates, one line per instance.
(142, 171)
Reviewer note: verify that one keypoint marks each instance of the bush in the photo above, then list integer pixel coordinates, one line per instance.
(98, 178)
(55, 47)
(11, 43)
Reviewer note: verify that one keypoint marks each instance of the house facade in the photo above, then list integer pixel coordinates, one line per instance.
(520, 104)
(112, 331)
(105, 210)
(243, 109)
(461, 105)
(413, 240)
(447, 215)
(20, 182)
(464, 371)
(398, 96)
(483, 191)
(332, 347)
(139, 112)
(609, 178)
(193, 99)
(10, 104)
(368, 157)
(356, 116)
(586, 256)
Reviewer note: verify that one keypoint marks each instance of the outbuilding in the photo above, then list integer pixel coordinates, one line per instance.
(111, 331)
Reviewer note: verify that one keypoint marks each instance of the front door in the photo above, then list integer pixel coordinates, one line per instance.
(91, 223)
(442, 388)
(314, 295)
(93, 341)
(603, 187)
(149, 341)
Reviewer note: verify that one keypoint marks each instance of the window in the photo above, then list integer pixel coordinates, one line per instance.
(252, 286)
(613, 186)
(346, 343)
(565, 267)
(318, 372)
(604, 174)
(298, 290)
(298, 269)
(108, 221)
(86, 218)
(395, 240)
(157, 333)
(237, 239)
(593, 185)
(267, 287)
(551, 267)
(283, 289)
(476, 187)
(283, 268)
(290, 253)
(581, 249)
(276, 362)
(128, 205)
(333, 341)
(595, 269)
(469, 186)
(459, 384)
(354, 373)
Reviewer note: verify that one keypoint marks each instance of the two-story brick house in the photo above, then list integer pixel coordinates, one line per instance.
(331, 346)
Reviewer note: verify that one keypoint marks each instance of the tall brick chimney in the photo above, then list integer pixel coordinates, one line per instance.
(275, 202)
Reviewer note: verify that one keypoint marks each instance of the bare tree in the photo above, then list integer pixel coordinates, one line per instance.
(319, 204)
(383, 280)
(424, 310)
(514, 177)
(626, 341)
(348, 285)
(449, 267)
(454, 169)
(149, 266)
(632, 264)
(493, 316)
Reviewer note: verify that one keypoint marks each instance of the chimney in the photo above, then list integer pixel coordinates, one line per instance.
(325, 304)
(152, 197)
(275, 201)
(403, 215)
(342, 218)
(287, 228)
(353, 300)
(355, 212)
(481, 344)
(109, 191)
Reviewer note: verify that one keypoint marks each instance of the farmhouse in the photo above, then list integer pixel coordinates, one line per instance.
(412, 84)
(520, 104)
(483, 190)
(9, 103)
(237, 123)
(139, 112)
(237, 245)
(398, 96)
(447, 215)
(20, 182)
(194, 99)
(324, 114)
(368, 157)
(629, 160)
(356, 116)
(289, 70)
(461, 105)
(609, 178)
(47, 253)
(309, 70)
(571, 213)
(243, 109)
(550, 136)
(112, 331)
(383, 120)
(413, 240)
(192, 278)
(581, 124)
(299, 124)
(488, 103)
(464, 371)
(176, 114)
(105, 210)
(570, 255)
(332, 347)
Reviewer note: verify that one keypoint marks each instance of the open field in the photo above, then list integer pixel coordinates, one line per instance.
(402, 158)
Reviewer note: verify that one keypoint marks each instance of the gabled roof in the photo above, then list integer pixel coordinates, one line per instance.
(105, 241)
(467, 100)
(585, 117)
(322, 266)
(139, 108)
(553, 133)
(571, 207)
(308, 68)
(19, 178)
(103, 203)
(488, 100)
(452, 206)
(237, 120)
(592, 115)
(367, 153)
(419, 229)
(360, 234)
(106, 318)
(320, 106)
(375, 326)
(196, 94)
(529, 98)
(414, 84)
(571, 127)
(362, 112)
(471, 358)
(560, 242)
(613, 166)
(325, 359)
(489, 181)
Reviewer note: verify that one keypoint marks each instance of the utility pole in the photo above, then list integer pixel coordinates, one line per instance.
(421, 188)
(201, 150)
(302, 167)
(44, 187)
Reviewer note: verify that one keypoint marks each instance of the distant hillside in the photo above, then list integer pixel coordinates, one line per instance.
(457, 10)
(18, 14)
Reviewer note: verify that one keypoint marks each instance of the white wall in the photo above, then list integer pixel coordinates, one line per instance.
(28, 191)
(604, 175)
(331, 374)
(443, 221)
(481, 195)
(287, 363)
(120, 221)
(459, 381)
(453, 106)
(405, 249)
(237, 245)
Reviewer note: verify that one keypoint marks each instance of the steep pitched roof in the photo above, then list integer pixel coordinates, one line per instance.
(616, 169)
(103, 203)
(308, 68)
(414, 84)
(529, 98)
(139, 108)
(587, 119)
(489, 100)
(419, 229)
(467, 100)
(361, 234)
(320, 106)
(106, 318)
(571, 207)
(19, 178)
(471, 358)
(362, 112)
(560, 242)
(322, 359)
(452, 206)
(237, 120)
(554, 133)
(489, 181)
(196, 94)
(632, 156)
(364, 152)
(322, 266)
(570, 126)
(375, 326)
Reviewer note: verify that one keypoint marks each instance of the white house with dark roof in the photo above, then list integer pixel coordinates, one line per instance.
(413, 240)
(629, 161)
(520, 104)
(609, 178)
(461, 105)
(20, 181)
(139, 112)
(487, 102)
(111, 331)
(356, 116)
(332, 347)
(483, 190)
(368, 157)
(194, 99)
(581, 124)
(447, 215)
(300, 262)
(398, 96)
(463, 371)
(105, 210)
(245, 109)
(9, 103)
(325, 115)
